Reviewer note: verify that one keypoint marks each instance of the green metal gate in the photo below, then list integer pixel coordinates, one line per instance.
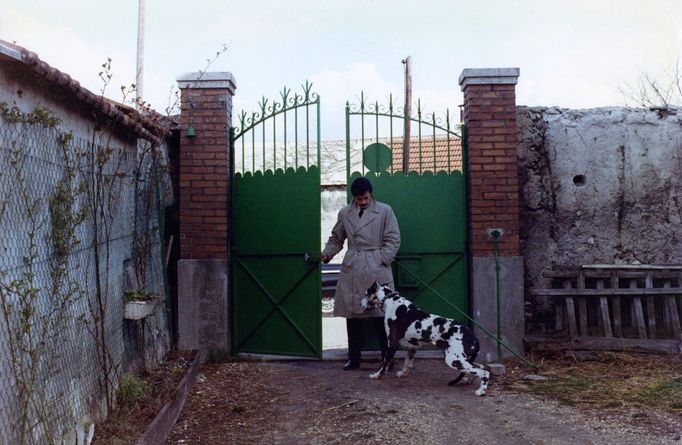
(275, 239)
(429, 200)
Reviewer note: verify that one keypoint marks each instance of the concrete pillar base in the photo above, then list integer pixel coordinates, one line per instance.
(484, 307)
(203, 321)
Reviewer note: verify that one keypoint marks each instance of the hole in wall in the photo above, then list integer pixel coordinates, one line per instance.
(579, 180)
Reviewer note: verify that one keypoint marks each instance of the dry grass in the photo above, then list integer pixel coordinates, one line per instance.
(606, 380)
(140, 399)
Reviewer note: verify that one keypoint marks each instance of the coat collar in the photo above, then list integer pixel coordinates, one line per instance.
(367, 217)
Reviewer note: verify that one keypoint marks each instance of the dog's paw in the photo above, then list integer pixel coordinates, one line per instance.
(480, 392)
(402, 373)
(375, 375)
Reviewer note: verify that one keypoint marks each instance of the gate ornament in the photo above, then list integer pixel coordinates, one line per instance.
(377, 157)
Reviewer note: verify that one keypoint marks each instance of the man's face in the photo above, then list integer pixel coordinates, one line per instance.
(363, 200)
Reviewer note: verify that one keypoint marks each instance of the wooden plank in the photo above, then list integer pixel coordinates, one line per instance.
(650, 306)
(158, 431)
(604, 306)
(570, 313)
(658, 346)
(637, 312)
(608, 292)
(672, 314)
(582, 306)
(559, 315)
(615, 306)
(633, 266)
(560, 273)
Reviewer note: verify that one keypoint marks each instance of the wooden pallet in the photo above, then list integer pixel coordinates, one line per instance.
(617, 301)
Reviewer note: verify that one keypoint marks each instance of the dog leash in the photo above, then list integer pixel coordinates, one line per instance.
(489, 334)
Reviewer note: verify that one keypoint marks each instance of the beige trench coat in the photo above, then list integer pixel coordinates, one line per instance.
(373, 242)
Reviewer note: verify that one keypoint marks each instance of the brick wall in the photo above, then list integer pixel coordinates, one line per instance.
(490, 116)
(204, 166)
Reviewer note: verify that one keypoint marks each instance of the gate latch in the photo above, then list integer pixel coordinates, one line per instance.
(312, 257)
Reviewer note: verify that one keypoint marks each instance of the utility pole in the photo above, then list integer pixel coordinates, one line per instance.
(140, 52)
(408, 113)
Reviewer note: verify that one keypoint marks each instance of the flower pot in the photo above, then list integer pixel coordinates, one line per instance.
(137, 310)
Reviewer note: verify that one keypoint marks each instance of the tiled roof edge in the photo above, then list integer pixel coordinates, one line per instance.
(101, 104)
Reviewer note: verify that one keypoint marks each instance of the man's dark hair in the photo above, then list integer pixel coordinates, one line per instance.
(360, 186)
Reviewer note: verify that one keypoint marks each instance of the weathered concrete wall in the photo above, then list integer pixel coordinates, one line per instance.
(598, 186)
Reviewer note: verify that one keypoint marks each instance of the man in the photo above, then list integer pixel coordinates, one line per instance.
(373, 241)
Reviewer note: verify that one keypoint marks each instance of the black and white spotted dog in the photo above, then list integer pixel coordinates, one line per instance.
(410, 327)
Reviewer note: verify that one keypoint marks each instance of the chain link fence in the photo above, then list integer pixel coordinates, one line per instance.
(77, 216)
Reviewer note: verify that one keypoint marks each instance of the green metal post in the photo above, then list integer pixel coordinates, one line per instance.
(496, 243)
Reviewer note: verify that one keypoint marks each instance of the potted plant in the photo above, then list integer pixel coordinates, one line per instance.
(139, 304)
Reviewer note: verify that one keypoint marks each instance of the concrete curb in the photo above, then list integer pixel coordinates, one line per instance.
(158, 431)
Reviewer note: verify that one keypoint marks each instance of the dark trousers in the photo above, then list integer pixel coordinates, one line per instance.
(355, 336)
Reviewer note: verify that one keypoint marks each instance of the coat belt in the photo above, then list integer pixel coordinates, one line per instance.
(363, 248)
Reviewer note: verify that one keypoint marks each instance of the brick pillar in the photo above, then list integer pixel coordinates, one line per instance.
(206, 110)
(489, 114)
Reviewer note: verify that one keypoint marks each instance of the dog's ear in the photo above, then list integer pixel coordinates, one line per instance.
(373, 288)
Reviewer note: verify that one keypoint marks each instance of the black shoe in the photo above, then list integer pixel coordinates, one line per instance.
(351, 365)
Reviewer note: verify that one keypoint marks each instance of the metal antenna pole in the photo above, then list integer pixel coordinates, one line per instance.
(140, 52)
(408, 113)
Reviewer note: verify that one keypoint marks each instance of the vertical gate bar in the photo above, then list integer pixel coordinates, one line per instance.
(253, 145)
(263, 108)
(296, 131)
(447, 126)
(376, 120)
(285, 96)
(419, 133)
(433, 120)
(347, 142)
(285, 136)
(319, 164)
(390, 125)
(362, 132)
(307, 133)
(263, 143)
(243, 157)
(274, 140)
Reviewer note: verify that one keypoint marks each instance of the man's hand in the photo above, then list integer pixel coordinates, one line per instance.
(324, 258)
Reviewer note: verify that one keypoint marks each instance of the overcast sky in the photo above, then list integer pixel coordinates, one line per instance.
(575, 54)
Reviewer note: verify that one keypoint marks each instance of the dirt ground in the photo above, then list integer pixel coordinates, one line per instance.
(310, 402)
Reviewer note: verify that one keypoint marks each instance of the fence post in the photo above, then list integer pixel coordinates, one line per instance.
(206, 112)
(489, 114)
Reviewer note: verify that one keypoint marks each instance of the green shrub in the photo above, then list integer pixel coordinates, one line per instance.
(133, 389)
